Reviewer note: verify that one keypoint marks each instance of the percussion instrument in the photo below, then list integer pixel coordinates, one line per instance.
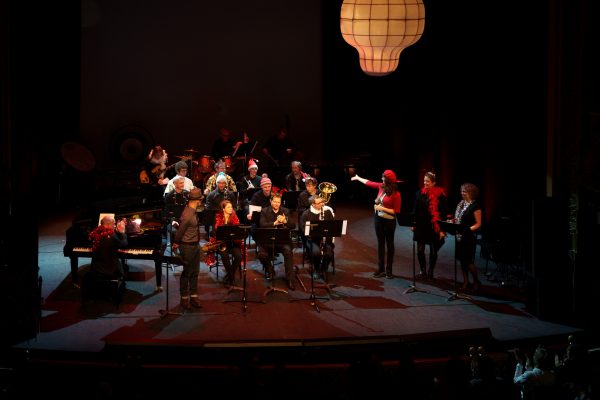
(205, 164)
(229, 166)
(77, 156)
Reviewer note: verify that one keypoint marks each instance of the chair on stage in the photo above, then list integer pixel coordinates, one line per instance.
(499, 245)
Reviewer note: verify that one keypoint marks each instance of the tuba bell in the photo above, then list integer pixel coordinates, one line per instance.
(326, 189)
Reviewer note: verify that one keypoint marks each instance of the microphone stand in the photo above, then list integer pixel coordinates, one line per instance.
(413, 288)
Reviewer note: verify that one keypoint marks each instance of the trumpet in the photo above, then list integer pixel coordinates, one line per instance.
(326, 189)
(218, 245)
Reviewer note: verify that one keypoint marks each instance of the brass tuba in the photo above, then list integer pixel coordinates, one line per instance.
(326, 189)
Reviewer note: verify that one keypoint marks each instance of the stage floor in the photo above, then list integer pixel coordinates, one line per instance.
(358, 307)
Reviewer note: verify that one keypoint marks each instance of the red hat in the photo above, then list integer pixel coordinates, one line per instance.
(252, 164)
(265, 181)
(390, 175)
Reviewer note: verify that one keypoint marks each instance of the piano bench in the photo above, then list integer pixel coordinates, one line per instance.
(95, 287)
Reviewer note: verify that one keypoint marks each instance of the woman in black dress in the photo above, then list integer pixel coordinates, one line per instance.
(429, 209)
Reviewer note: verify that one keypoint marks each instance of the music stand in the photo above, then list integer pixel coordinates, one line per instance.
(229, 233)
(272, 237)
(413, 288)
(169, 260)
(452, 228)
(322, 229)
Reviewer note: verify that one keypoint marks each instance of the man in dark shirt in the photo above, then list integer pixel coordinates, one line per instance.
(187, 241)
(276, 216)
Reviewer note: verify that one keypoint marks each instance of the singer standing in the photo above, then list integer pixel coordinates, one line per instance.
(387, 205)
(429, 209)
(468, 216)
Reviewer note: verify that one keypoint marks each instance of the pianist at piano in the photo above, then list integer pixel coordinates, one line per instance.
(106, 242)
(143, 230)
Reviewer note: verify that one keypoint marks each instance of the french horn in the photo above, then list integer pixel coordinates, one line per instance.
(326, 189)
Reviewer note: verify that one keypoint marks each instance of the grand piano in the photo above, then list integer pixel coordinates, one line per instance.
(144, 234)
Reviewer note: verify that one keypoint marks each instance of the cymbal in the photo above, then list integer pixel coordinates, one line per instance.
(180, 157)
(191, 151)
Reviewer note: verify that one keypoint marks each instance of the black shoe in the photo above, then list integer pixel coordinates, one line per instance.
(290, 285)
(379, 274)
(389, 276)
(422, 274)
(267, 276)
(194, 302)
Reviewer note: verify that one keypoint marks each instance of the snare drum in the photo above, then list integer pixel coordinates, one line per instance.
(205, 164)
(229, 167)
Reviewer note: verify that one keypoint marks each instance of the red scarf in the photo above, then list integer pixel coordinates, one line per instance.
(99, 234)
(433, 194)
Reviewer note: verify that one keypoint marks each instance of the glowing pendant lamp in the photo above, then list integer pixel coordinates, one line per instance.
(380, 30)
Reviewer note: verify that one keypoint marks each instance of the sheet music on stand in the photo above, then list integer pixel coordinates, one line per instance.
(102, 215)
(254, 214)
(326, 228)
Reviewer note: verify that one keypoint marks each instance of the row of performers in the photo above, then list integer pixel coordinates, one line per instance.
(221, 208)
(153, 175)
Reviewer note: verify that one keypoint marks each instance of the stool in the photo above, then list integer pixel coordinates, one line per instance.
(98, 287)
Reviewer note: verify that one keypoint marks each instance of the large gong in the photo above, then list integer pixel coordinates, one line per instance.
(131, 144)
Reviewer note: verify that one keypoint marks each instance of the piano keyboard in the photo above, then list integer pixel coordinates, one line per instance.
(134, 252)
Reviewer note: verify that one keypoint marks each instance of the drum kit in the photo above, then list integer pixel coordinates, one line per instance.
(229, 166)
(204, 165)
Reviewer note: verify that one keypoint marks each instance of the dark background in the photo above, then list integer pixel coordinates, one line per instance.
(503, 95)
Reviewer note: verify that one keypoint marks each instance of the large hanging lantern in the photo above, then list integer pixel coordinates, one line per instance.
(380, 30)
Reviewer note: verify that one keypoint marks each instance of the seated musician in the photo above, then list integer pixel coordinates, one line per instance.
(175, 202)
(260, 199)
(153, 173)
(181, 168)
(211, 183)
(106, 242)
(276, 216)
(320, 249)
(304, 196)
(236, 248)
(248, 181)
(295, 180)
(213, 205)
(155, 167)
